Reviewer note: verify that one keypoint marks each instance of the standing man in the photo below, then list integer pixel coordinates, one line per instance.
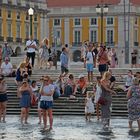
(64, 62)
(90, 62)
(31, 46)
(103, 60)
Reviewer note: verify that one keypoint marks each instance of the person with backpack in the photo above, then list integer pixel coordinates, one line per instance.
(31, 46)
(90, 62)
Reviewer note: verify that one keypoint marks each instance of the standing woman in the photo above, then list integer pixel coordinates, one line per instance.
(106, 99)
(43, 52)
(46, 101)
(3, 99)
(25, 95)
(28, 66)
(133, 96)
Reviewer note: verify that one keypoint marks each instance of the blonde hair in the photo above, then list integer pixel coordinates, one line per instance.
(89, 94)
(22, 65)
(106, 75)
(136, 81)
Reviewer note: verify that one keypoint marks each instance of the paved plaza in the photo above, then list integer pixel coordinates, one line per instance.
(67, 128)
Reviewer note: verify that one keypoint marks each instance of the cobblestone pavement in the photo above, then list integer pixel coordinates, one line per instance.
(67, 128)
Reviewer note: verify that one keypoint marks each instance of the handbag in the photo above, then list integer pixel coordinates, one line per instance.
(33, 100)
(102, 101)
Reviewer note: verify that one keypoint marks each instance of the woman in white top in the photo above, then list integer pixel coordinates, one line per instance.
(46, 101)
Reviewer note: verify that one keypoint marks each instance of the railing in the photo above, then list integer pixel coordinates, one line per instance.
(19, 40)
(10, 39)
(1, 38)
(136, 44)
(76, 44)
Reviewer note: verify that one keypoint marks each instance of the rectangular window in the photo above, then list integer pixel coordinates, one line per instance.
(58, 35)
(136, 21)
(19, 2)
(9, 1)
(77, 36)
(18, 30)
(18, 15)
(27, 16)
(0, 28)
(9, 14)
(110, 36)
(110, 21)
(35, 31)
(0, 13)
(35, 17)
(27, 31)
(56, 22)
(9, 29)
(93, 36)
(135, 35)
(93, 21)
(77, 21)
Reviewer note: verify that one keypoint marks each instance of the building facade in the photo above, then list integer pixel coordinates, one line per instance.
(15, 22)
(74, 21)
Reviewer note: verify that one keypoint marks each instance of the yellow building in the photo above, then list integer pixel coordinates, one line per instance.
(15, 21)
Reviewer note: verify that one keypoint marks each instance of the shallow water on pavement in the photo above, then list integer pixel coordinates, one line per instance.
(67, 128)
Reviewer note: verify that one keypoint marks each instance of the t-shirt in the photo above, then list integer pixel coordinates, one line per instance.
(81, 83)
(89, 57)
(7, 68)
(28, 43)
(47, 89)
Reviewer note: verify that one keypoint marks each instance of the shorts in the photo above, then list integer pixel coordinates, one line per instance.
(46, 104)
(50, 59)
(3, 97)
(89, 67)
(103, 67)
(64, 69)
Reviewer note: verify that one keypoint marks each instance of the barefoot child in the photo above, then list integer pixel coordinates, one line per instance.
(89, 106)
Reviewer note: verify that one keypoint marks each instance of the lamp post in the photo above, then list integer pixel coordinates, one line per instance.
(102, 9)
(31, 12)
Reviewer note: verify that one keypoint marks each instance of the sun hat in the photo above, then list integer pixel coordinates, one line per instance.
(81, 76)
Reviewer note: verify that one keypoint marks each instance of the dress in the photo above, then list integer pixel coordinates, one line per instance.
(105, 109)
(97, 93)
(25, 100)
(89, 108)
(44, 55)
(134, 104)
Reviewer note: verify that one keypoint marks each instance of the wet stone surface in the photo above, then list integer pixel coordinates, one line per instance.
(67, 128)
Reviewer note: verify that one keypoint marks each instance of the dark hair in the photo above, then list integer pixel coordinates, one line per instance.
(71, 76)
(66, 45)
(25, 75)
(63, 49)
(33, 82)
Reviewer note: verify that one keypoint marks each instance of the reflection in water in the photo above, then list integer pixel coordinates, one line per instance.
(134, 133)
(65, 128)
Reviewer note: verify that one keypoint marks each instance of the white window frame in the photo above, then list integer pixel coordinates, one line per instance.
(74, 35)
(10, 13)
(135, 36)
(1, 28)
(35, 36)
(27, 36)
(18, 35)
(90, 35)
(8, 23)
(54, 22)
(109, 29)
(75, 22)
(107, 21)
(96, 21)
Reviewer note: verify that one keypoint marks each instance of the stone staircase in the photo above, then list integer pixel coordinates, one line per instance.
(64, 106)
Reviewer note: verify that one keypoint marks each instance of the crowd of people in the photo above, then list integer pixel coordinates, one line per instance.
(42, 95)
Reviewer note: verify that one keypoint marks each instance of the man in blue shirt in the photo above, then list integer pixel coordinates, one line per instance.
(64, 62)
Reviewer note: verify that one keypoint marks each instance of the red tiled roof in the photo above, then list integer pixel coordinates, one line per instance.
(73, 3)
(135, 2)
